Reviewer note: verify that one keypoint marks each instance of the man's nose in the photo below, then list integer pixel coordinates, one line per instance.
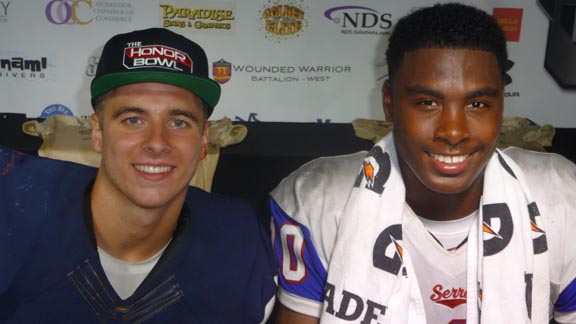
(452, 125)
(156, 139)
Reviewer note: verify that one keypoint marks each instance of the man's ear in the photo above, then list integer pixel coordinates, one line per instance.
(387, 100)
(96, 134)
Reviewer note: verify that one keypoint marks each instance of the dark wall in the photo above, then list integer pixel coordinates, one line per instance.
(270, 151)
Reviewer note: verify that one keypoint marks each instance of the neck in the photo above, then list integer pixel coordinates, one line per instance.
(442, 207)
(438, 206)
(129, 232)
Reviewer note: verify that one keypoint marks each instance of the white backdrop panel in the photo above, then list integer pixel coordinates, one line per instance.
(330, 69)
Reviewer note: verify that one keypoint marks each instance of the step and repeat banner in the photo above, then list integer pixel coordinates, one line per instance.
(276, 60)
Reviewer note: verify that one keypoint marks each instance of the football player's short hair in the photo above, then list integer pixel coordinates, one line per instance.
(449, 25)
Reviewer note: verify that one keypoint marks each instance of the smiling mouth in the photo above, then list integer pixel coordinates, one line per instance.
(152, 168)
(450, 159)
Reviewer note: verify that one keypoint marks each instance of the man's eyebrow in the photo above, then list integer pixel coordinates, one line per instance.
(184, 113)
(487, 91)
(417, 89)
(127, 110)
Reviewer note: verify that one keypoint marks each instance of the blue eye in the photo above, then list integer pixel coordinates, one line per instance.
(179, 123)
(133, 121)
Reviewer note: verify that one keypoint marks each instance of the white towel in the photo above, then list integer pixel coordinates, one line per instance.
(371, 278)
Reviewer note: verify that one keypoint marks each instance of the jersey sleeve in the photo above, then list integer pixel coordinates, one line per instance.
(17, 226)
(305, 210)
(302, 274)
(26, 183)
(552, 180)
(565, 193)
(560, 184)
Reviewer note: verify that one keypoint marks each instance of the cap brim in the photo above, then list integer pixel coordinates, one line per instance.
(208, 90)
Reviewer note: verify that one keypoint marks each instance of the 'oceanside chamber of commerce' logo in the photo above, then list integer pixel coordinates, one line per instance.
(510, 19)
(4, 11)
(282, 20)
(84, 12)
(156, 56)
(23, 67)
(203, 16)
(360, 20)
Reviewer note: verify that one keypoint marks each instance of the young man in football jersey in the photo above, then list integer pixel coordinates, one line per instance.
(434, 224)
(131, 242)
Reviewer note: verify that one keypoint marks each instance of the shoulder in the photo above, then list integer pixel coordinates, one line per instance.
(35, 193)
(314, 196)
(224, 219)
(551, 179)
(328, 179)
(15, 164)
(305, 208)
(227, 237)
(219, 207)
(31, 185)
(328, 169)
(34, 180)
(533, 162)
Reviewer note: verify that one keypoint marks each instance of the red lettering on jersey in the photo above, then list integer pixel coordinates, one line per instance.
(448, 297)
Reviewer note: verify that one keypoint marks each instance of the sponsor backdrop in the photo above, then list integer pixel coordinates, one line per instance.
(276, 60)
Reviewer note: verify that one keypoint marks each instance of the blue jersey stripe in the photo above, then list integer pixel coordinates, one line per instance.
(567, 300)
(311, 285)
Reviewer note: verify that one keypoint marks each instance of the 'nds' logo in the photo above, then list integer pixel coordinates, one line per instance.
(360, 20)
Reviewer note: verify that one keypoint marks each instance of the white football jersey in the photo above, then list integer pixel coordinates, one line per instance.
(441, 273)
(306, 209)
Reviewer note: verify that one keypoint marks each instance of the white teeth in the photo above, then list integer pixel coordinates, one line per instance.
(450, 158)
(152, 168)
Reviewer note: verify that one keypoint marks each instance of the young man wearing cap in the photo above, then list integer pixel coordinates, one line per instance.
(131, 242)
(433, 225)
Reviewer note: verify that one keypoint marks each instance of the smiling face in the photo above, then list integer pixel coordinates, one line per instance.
(152, 137)
(447, 107)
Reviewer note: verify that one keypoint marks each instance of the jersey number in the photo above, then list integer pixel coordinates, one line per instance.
(294, 269)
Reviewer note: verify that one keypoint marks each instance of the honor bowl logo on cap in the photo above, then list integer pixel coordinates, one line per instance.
(155, 55)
